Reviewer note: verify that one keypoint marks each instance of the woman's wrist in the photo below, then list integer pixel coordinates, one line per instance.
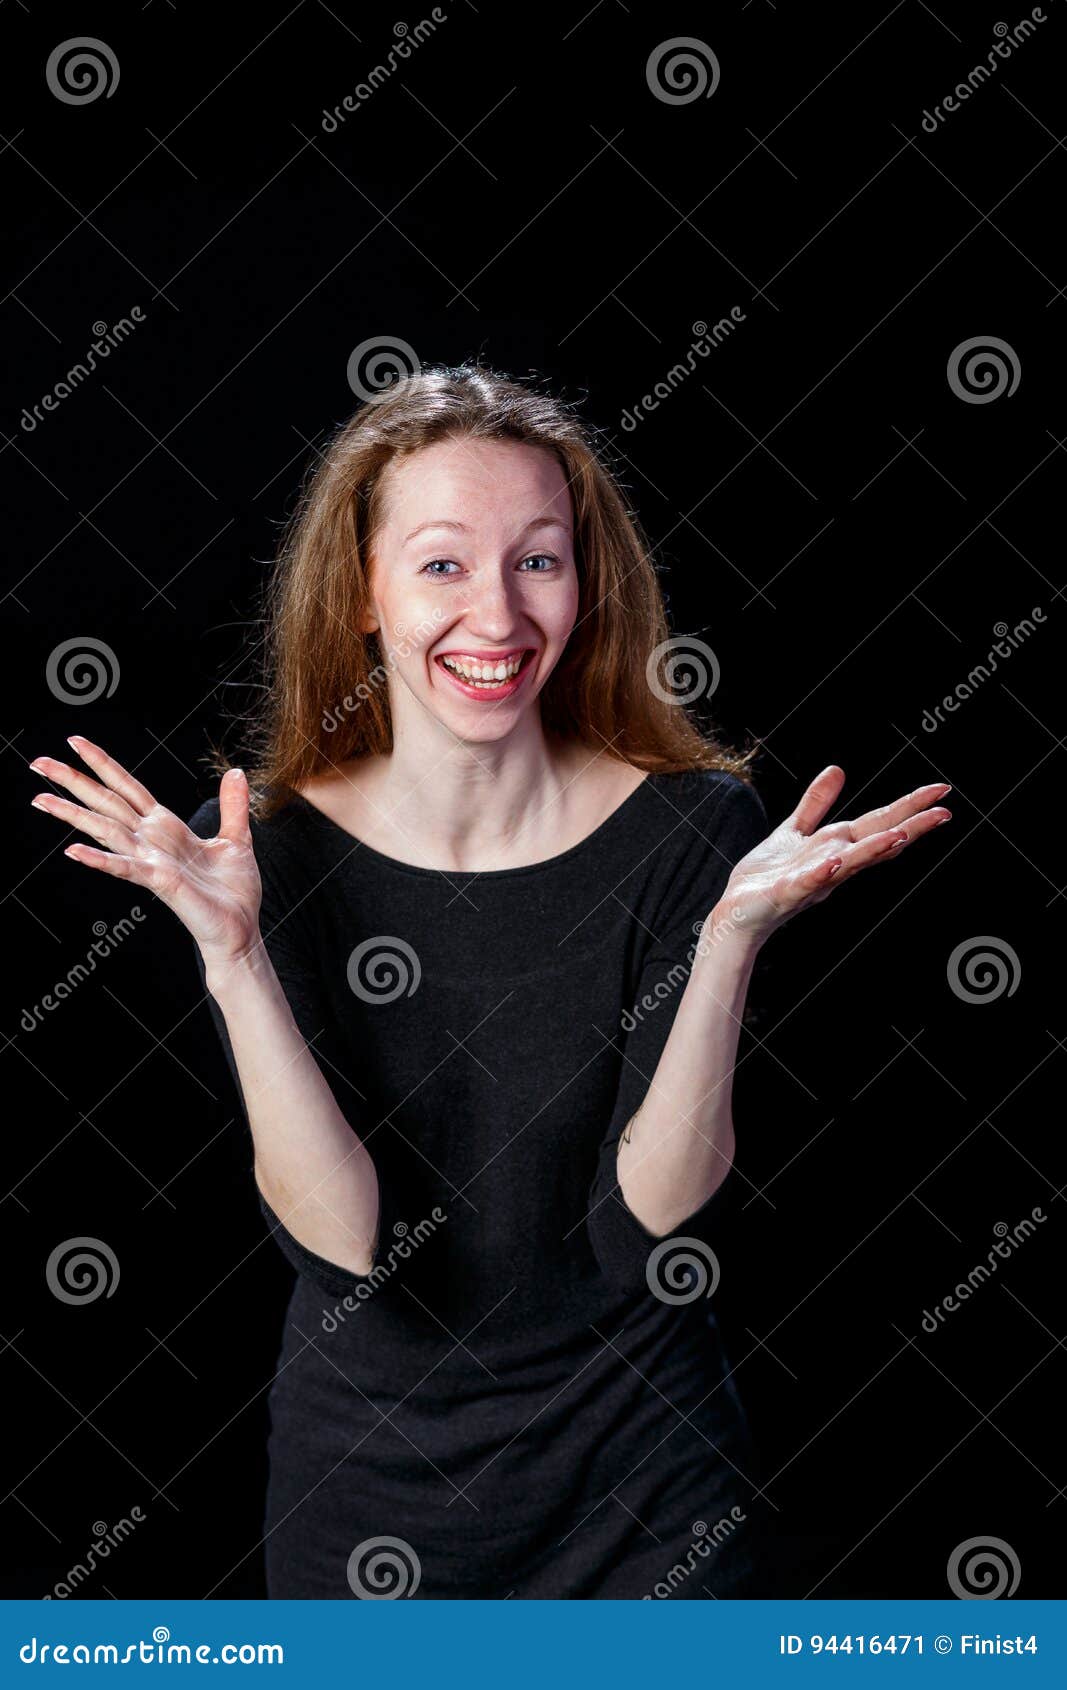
(729, 936)
(224, 975)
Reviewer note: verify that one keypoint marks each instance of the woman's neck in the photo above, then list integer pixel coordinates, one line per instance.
(479, 807)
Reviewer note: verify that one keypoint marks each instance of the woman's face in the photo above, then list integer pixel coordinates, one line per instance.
(473, 581)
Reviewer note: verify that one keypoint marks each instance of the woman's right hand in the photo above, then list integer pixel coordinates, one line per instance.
(212, 885)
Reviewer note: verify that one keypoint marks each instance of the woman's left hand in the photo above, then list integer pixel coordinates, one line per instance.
(801, 863)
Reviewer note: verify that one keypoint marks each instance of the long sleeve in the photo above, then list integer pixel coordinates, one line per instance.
(731, 822)
(287, 942)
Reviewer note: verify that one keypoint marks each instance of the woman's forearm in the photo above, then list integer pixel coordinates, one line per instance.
(310, 1166)
(677, 1150)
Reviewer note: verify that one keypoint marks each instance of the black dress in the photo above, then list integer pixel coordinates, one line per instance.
(527, 1397)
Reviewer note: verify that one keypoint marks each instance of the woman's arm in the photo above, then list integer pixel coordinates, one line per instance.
(676, 1151)
(679, 1147)
(310, 1166)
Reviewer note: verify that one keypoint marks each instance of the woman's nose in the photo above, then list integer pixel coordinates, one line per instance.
(491, 606)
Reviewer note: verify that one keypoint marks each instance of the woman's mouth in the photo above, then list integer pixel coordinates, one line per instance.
(486, 675)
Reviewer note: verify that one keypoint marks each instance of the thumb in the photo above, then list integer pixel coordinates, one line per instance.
(233, 808)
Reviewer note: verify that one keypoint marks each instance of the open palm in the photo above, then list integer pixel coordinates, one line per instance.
(801, 863)
(212, 885)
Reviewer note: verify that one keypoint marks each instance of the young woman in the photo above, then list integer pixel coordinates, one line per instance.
(477, 932)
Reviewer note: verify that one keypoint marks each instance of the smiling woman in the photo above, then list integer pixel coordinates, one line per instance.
(475, 512)
(423, 925)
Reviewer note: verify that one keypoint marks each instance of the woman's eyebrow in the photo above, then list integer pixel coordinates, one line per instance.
(461, 527)
(436, 522)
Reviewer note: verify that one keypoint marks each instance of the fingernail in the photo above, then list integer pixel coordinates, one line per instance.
(944, 819)
(36, 765)
(835, 868)
(75, 739)
(37, 804)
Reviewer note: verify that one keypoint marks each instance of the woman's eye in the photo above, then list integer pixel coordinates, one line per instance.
(437, 566)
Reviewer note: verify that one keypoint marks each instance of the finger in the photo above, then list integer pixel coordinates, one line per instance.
(233, 808)
(97, 797)
(819, 877)
(821, 794)
(817, 882)
(124, 868)
(871, 850)
(114, 775)
(879, 846)
(895, 814)
(104, 828)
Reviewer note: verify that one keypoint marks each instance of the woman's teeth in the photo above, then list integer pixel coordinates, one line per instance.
(483, 674)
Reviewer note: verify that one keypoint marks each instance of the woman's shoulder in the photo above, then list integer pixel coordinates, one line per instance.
(694, 825)
(707, 803)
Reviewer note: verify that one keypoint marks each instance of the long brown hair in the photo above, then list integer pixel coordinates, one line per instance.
(326, 701)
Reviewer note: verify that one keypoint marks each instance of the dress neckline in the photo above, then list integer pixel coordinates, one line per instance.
(396, 863)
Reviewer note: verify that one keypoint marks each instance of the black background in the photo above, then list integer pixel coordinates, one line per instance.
(829, 516)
